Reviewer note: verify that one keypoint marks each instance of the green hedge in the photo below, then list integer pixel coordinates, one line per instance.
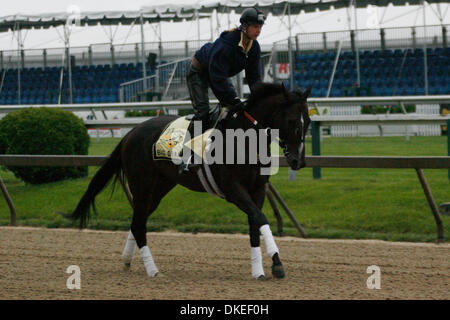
(49, 131)
(384, 109)
(153, 113)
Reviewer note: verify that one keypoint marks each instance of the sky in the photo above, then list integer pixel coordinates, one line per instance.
(274, 29)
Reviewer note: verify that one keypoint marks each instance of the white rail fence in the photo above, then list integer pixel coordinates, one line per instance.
(339, 108)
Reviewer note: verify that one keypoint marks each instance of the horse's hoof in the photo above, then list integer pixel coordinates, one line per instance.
(126, 265)
(278, 271)
(261, 277)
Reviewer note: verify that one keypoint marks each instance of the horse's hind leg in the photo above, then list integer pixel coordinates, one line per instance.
(128, 251)
(252, 205)
(144, 204)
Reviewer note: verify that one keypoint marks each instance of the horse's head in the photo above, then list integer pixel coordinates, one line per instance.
(276, 108)
(292, 119)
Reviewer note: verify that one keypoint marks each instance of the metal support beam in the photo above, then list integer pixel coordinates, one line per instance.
(9, 202)
(136, 51)
(324, 41)
(383, 39)
(288, 212)
(433, 206)
(444, 37)
(90, 55)
(113, 56)
(276, 212)
(44, 57)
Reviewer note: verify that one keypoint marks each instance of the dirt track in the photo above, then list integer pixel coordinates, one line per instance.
(33, 265)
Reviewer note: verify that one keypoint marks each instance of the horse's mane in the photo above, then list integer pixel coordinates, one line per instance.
(263, 90)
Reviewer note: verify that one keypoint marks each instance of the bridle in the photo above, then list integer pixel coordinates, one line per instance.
(267, 131)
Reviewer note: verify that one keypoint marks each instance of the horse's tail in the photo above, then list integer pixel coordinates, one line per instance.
(112, 166)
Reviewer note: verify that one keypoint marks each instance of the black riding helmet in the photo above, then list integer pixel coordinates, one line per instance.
(252, 16)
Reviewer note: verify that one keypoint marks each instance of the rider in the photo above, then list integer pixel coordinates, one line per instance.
(212, 65)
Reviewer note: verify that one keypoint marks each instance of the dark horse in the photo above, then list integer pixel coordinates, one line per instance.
(271, 105)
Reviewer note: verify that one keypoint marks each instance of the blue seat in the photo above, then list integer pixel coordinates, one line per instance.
(86, 99)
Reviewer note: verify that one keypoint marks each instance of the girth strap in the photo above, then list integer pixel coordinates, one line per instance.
(209, 183)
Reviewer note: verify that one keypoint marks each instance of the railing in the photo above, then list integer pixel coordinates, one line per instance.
(172, 79)
(168, 83)
(132, 91)
(185, 104)
(417, 163)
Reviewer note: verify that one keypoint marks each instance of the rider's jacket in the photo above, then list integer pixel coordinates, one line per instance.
(225, 58)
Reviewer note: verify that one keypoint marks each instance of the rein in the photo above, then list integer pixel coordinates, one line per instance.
(255, 122)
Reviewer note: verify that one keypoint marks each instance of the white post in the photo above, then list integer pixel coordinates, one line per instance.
(212, 26)
(69, 61)
(336, 60)
(144, 69)
(356, 47)
(425, 62)
(198, 24)
(19, 65)
(291, 60)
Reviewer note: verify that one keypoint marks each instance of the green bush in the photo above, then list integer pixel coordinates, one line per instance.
(49, 131)
(140, 113)
(385, 109)
(153, 113)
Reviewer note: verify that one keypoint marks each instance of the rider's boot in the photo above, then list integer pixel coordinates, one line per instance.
(189, 166)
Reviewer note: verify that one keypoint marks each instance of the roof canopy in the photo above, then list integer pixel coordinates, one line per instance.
(180, 12)
(275, 7)
(91, 19)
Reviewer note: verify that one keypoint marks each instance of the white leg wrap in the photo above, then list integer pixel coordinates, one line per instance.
(271, 246)
(257, 267)
(149, 264)
(130, 248)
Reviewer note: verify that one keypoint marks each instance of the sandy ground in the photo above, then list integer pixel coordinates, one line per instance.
(33, 264)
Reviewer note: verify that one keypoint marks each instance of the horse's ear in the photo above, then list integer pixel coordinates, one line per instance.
(307, 92)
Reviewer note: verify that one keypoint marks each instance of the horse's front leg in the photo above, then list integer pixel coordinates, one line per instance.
(251, 205)
(258, 197)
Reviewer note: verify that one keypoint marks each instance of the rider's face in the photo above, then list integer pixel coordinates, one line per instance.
(253, 31)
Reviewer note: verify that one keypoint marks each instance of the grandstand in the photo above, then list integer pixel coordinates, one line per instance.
(91, 84)
(383, 73)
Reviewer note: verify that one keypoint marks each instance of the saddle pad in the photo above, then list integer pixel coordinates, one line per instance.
(170, 143)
